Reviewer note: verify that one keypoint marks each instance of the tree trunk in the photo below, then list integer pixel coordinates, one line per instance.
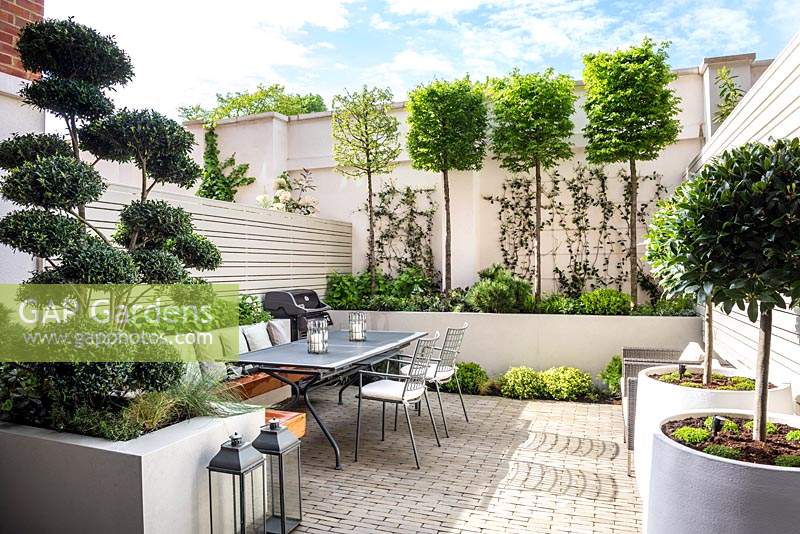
(709, 327)
(632, 256)
(371, 211)
(762, 375)
(447, 250)
(538, 231)
(72, 127)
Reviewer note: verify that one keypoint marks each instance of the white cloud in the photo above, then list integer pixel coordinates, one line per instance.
(379, 23)
(434, 9)
(406, 66)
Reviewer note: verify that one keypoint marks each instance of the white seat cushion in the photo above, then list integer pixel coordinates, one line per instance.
(441, 376)
(257, 336)
(391, 390)
(279, 331)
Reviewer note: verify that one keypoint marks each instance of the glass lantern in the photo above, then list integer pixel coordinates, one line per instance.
(317, 336)
(282, 449)
(237, 489)
(358, 326)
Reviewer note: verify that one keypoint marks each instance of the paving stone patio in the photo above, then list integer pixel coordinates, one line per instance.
(518, 466)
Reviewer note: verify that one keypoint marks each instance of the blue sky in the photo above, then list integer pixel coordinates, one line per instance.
(185, 52)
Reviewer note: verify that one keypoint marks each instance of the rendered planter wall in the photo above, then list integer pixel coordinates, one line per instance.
(693, 492)
(656, 400)
(498, 341)
(58, 482)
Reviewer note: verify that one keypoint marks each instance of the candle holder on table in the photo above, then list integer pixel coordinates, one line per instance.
(318, 336)
(358, 326)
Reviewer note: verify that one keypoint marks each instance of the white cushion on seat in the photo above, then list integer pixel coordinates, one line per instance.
(280, 331)
(391, 390)
(441, 376)
(257, 336)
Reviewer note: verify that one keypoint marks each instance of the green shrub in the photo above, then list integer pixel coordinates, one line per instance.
(470, 375)
(18, 149)
(612, 374)
(559, 304)
(410, 281)
(492, 387)
(251, 310)
(723, 451)
(788, 460)
(793, 435)
(771, 427)
(567, 383)
(741, 383)
(675, 307)
(522, 383)
(196, 251)
(727, 425)
(159, 266)
(39, 232)
(347, 291)
(499, 291)
(691, 435)
(57, 182)
(606, 302)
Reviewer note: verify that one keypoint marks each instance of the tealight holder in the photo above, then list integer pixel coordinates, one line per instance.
(317, 336)
(358, 326)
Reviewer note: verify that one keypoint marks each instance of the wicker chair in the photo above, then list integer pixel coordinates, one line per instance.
(635, 359)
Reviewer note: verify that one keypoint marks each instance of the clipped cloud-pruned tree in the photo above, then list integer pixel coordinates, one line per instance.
(154, 242)
(532, 127)
(365, 144)
(447, 132)
(741, 212)
(631, 112)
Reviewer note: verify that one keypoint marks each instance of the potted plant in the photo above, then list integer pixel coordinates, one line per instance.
(741, 214)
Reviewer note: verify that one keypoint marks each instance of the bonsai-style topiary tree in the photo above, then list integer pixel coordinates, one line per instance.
(532, 127)
(365, 143)
(675, 251)
(447, 131)
(156, 243)
(743, 211)
(631, 116)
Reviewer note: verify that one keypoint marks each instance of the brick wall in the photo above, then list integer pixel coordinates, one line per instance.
(14, 14)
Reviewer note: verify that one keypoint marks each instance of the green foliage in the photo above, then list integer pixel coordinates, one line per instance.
(39, 232)
(56, 182)
(567, 383)
(67, 98)
(729, 94)
(723, 451)
(683, 306)
(410, 281)
(788, 460)
(523, 383)
(793, 435)
(195, 251)
(691, 435)
(153, 223)
(631, 109)
(24, 148)
(156, 144)
(92, 261)
(742, 383)
(457, 143)
(499, 291)
(772, 428)
(559, 304)
(471, 377)
(68, 50)
(221, 180)
(346, 291)
(532, 119)
(262, 100)
(251, 310)
(727, 425)
(612, 374)
(289, 194)
(159, 266)
(606, 302)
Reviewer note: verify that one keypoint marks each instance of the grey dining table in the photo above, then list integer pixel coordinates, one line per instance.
(340, 364)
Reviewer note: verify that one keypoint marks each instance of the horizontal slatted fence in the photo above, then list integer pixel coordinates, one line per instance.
(261, 249)
(771, 109)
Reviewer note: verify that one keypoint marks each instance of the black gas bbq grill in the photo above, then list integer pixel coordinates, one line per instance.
(299, 306)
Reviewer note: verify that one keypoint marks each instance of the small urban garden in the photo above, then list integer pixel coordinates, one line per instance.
(179, 360)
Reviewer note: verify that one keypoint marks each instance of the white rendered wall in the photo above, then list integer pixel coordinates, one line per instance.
(15, 117)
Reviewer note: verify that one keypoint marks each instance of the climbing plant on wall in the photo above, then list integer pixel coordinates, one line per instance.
(221, 180)
(403, 228)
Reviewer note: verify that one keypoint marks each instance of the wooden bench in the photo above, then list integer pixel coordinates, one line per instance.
(295, 421)
(250, 386)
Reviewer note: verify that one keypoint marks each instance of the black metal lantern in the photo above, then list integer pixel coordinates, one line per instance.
(236, 476)
(282, 448)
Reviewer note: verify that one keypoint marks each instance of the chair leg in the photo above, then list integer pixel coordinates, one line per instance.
(358, 422)
(433, 423)
(441, 407)
(411, 433)
(419, 408)
(383, 421)
(460, 396)
(395, 417)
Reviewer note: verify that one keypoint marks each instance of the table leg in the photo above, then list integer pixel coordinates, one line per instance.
(322, 426)
(347, 383)
(295, 388)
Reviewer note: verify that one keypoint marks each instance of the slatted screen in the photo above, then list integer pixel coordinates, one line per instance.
(261, 249)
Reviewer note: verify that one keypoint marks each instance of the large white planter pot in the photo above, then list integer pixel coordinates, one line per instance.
(59, 482)
(656, 400)
(693, 492)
